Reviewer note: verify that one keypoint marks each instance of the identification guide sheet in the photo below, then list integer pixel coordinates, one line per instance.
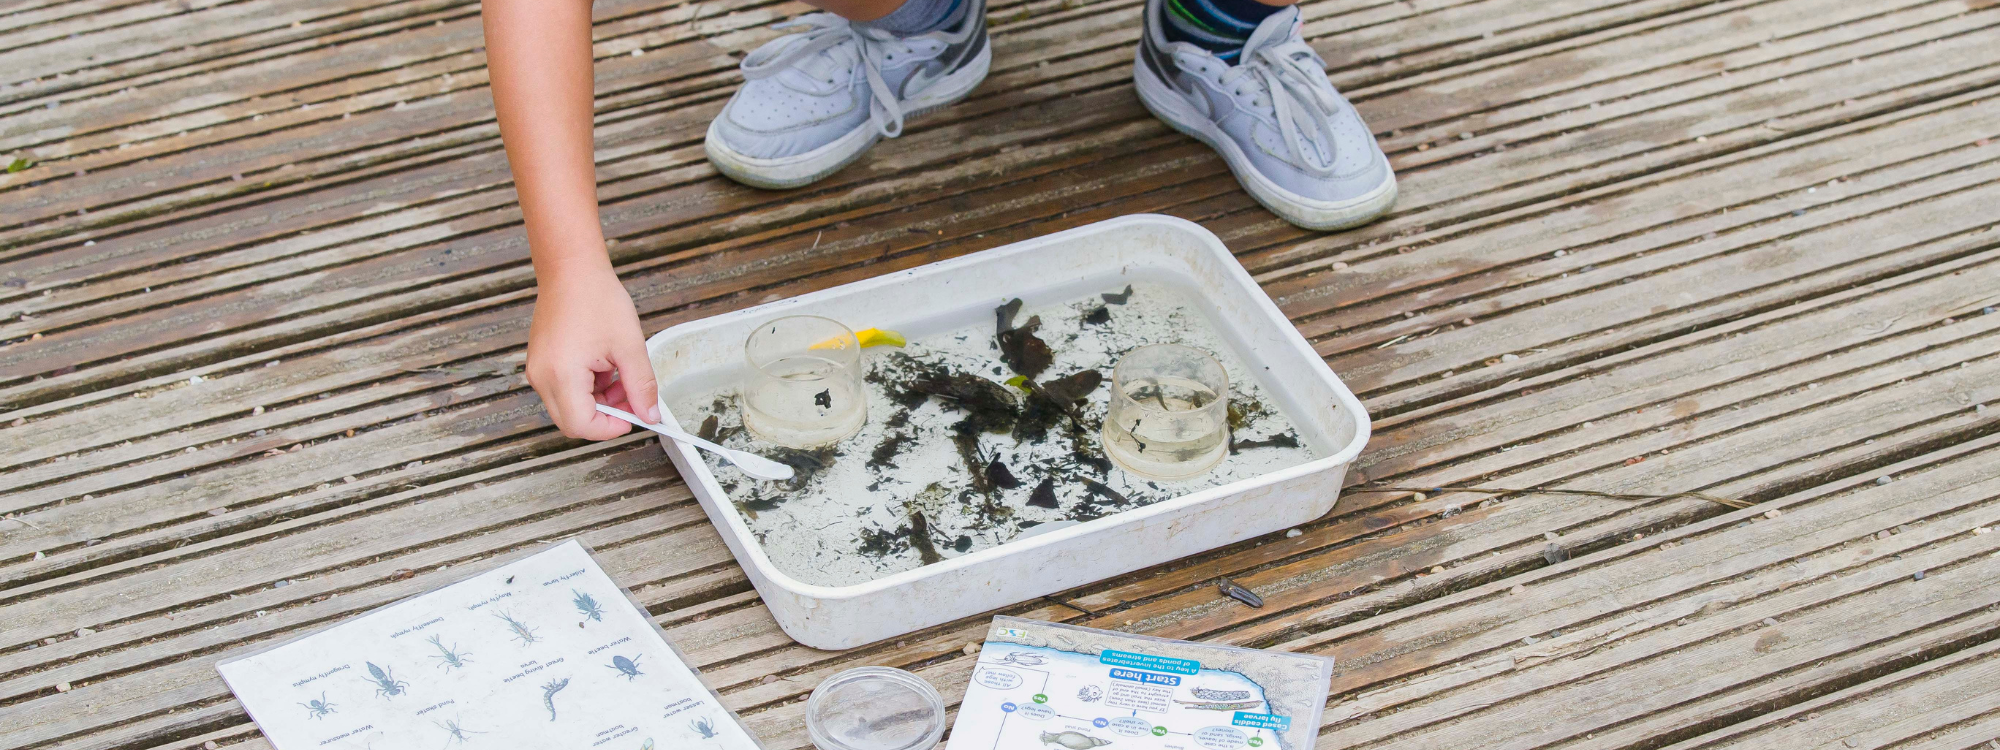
(544, 652)
(1061, 687)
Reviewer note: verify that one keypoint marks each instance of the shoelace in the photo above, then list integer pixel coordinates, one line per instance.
(1302, 100)
(826, 31)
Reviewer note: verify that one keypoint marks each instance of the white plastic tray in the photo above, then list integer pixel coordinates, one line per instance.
(1063, 266)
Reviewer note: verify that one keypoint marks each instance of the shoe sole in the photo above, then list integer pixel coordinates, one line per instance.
(812, 166)
(1160, 99)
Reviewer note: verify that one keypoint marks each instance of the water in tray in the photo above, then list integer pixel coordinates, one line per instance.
(803, 402)
(1180, 439)
(926, 479)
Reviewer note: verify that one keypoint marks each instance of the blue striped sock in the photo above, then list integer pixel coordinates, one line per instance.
(918, 17)
(1219, 26)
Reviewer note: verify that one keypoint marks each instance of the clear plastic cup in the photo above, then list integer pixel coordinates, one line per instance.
(804, 388)
(1169, 412)
(875, 708)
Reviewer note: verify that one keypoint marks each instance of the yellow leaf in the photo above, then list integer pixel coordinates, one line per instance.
(868, 337)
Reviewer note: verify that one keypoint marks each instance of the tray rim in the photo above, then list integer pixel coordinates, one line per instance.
(688, 457)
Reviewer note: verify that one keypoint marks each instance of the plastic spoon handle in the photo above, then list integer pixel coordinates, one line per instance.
(751, 463)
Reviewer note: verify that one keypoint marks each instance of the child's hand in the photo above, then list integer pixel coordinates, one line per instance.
(584, 348)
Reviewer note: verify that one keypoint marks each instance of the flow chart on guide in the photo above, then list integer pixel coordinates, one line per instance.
(1042, 686)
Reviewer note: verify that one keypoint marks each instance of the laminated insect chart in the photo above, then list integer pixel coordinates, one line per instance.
(543, 652)
(1049, 686)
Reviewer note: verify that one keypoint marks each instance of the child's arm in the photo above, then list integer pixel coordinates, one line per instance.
(585, 328)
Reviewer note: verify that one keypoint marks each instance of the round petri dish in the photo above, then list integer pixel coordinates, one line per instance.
(875, 708)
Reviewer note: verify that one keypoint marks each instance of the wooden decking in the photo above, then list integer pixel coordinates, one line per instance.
(264, 293)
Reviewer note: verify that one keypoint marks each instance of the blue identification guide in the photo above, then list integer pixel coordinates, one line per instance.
(1048, 685)
(542, 652)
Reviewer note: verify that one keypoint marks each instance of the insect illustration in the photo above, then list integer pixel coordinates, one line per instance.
(704, 727)
(587, 606)
(386, 684)
(449, 658)
(455, 732)
(520, 629)
(1073, 740)
(549, 695)
(627, 667)
(319, 707)
(1090, 694)
(1021, 658)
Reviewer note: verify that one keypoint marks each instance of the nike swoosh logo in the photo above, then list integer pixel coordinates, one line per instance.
(921, 80)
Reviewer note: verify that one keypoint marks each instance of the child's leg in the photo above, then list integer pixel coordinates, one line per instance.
(1219, 26)
(815, 100)
(1257, 93)
(861, 10)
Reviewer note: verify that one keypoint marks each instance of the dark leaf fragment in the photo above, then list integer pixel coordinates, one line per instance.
(1236, 591)
(823, 399)
(1003, 316)
(1286, 440)
(1118, 298)
(1000, 476)
(1051, 402)
(708, 428)
(970, 393)
(1071, 388)
(1101, 490)
(1097, 317)
(1024, 352)
(920, 538)
(1044, 495)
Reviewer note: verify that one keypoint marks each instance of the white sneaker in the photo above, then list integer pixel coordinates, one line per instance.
(1293, 141)
(813, 101)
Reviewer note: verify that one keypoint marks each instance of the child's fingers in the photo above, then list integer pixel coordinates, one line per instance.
(573, 406)
(635, 372)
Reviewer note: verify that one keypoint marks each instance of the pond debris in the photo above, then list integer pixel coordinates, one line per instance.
(1284, 440)
(1236, 591)
(1000, 476)
(1102, 490)
(1051, 402)
(1044, 495)
(990, 403)
(1098, 317)
(1023, 351)
(959, 454)
(1118, 298)
(920, 537)
(709, 427)
(913, 534)
(885, 451)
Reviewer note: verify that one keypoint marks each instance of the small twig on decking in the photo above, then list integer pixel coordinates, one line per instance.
(1069, 605)
(26, 522)
(1729, 502)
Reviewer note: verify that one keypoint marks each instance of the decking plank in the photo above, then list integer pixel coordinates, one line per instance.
(1944, 704)
(1209, 595)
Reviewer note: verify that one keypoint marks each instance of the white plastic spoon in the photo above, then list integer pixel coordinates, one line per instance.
(751, 463)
